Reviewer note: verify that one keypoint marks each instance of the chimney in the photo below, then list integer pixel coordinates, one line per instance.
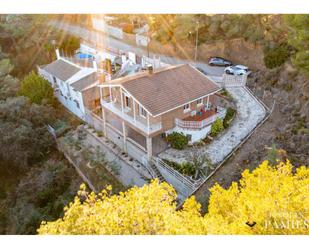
(150, 69)
(57, 54)
(95, 66)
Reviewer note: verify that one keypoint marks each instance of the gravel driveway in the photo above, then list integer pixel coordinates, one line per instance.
(249, 114)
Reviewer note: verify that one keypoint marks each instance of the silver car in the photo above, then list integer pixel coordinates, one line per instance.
(237, 70)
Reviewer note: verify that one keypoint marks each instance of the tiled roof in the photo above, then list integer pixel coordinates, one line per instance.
(61, 69)
(168, 88)
(85, 81)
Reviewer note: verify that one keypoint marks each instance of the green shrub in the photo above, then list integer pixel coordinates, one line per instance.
(183, 168)
(274, 57)
(36, 89)
(230, 113)
(177, 140)
(217, 127)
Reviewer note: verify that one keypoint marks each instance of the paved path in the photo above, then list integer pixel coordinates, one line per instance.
(249, 114)
(128, 176)
(96, 37)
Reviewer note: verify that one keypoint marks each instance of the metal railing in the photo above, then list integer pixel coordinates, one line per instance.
(203, 123)
(234, 80)
(185, 180)
(105, 101)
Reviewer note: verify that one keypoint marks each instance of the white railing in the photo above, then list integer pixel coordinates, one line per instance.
(185, 180)
(234, 80)
(135, 122)
(203, 123)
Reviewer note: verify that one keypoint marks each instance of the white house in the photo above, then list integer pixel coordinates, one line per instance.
(69, 80)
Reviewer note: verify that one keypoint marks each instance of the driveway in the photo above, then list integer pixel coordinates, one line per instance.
(249, 114)
(97, 37)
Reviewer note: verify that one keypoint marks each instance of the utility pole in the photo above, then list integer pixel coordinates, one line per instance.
(196, 40)
(148, 41)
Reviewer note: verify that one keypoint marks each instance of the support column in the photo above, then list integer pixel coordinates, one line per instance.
(148, 125)
(134, 111)
(110, 94)
(124, 133)
(149, 147)
(207, 102)
(104, 121)
(121, 97)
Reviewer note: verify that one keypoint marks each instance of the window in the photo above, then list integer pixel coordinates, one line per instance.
(127, 101)
(186, 107)
(97, 102)
(77, 104)
(54, 79)
(199, 101)
(142, 112)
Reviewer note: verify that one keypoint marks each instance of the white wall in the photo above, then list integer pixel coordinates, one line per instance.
(196, 135)
(141, 40)
(66, 94)
(100, 55)
(100, 25)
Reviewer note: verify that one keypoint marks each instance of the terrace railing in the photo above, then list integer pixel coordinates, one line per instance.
(195, 125)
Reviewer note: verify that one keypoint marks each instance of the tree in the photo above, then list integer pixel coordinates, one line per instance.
(5, 67)
(263, 202)
(150, 209)
(274, 57)
(249, 207)
(8, 84)
(36, 89)
(298, 37)
(70, 44)
(200, 161)
(24, 138)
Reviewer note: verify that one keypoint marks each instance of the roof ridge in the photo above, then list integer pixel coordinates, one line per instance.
(143, 74)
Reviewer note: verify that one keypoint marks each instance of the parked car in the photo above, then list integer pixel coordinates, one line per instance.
(218, 61)
(237, 70)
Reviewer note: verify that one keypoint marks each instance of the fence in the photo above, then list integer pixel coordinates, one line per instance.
(201, 124)
(205, 180)
(234, 80)
(182, 183)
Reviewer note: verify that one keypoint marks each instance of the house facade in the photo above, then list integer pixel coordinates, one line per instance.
(69, 81)
(140, 110)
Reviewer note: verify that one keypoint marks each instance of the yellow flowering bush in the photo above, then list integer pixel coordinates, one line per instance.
(261, 203)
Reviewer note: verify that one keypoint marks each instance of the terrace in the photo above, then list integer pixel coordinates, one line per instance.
(201, 119)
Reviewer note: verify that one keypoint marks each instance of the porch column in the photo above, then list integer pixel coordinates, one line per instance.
(148, 126)
(110, 94)
(134, 111)
(104, 121)
(149, 147)
(124, 133)
(121, 97)
(207, 102)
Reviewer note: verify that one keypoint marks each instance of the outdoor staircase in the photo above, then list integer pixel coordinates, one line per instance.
(156, 172)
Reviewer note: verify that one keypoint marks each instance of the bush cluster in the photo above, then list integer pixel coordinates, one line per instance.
(230, 113)
(177, 140)
(183, 168)
(275, 57)
(216, 127)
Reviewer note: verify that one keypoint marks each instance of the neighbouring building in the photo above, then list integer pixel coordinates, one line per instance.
(138, 111)
(70, 82)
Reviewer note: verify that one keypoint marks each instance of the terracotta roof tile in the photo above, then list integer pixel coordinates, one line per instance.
(168, 88)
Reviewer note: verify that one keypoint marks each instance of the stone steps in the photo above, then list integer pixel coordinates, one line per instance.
(157, 172)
